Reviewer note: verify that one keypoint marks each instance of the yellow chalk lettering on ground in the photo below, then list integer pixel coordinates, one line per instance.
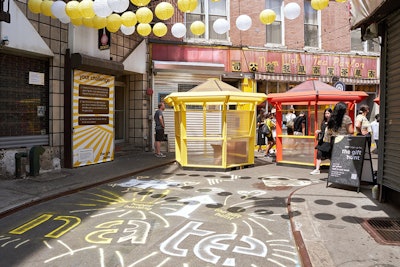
(31, 224)
(70, 223)
(97, 237)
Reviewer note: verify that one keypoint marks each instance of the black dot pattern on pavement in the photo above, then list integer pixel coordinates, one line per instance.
(325, 216)
(224, 194)
(187, 187)
(264, 212)
(346, 205)
(236, 209)
(323, 202)
(214, 206)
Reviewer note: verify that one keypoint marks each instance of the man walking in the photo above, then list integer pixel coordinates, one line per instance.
(160, 125)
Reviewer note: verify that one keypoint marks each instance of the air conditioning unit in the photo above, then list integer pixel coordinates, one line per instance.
(369, 33)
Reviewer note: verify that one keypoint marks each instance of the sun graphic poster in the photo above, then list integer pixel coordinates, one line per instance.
(93, 118)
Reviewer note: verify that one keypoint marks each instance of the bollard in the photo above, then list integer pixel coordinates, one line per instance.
(34, 160)
(18, 163)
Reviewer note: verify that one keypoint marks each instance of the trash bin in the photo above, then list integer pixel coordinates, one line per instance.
(34, 160)
(18, 163)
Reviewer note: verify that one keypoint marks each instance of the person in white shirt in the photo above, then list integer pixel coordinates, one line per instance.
(375, 130)
(290, 116)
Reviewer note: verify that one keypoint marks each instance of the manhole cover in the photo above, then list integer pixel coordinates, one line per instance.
(384, 230)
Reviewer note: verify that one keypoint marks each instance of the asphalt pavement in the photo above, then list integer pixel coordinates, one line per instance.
(332, 225)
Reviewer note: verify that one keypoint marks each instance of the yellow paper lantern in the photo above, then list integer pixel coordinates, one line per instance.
(197, 28)
(72, 9)
(164, 11)
(267, 16)
(114, 21)
(341, 1)
(88, 22)
(187, 5)
(319, 4)
(129, 19)
(160, 29)
(144, 29)
(77, 22)
(99, 22)
(86, 8)
(144, 15)
(35, 6)
(112, 29)
(140, 2)
(45, 7)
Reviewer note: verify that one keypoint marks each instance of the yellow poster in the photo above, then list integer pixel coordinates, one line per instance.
(93, 118)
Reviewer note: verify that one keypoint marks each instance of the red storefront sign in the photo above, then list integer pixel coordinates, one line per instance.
(271, 62)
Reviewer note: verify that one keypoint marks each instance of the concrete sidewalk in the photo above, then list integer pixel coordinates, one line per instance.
(328, 223)
(15, 193)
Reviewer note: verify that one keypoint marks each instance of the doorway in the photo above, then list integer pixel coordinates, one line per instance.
(119, 114)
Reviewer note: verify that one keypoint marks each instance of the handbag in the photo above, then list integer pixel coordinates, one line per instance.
(265, 129)
(325, 147)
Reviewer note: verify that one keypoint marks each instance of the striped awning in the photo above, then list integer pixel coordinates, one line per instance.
(302, 78)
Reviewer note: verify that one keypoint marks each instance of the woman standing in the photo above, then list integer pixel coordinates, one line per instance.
(270, 138)
(321, 153)
(338, 124)
(363, 127)
(260, 134)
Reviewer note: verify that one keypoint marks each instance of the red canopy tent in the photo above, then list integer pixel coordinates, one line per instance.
(377, 100)
(311, 93)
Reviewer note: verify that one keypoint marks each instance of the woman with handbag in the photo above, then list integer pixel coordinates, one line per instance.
(338, 124)
(321, 153)
(269, 122)
(260, 134)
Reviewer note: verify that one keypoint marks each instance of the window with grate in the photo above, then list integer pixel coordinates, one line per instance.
(24, 107)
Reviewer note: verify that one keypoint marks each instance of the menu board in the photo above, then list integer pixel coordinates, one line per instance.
(93, 118)
(347, 160)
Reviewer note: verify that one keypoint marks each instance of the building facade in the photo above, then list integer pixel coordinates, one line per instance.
(382, 19)
(84, 93)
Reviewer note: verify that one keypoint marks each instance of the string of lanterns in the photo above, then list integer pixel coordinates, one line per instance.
(113, 15)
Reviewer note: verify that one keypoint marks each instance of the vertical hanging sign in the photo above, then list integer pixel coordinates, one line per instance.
(93, 118)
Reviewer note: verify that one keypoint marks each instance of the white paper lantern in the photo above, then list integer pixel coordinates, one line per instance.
(58, 9)
(178, 30)
(291, 10)
(127, 30)
(243, 22)
(118, 6)
(65, 19)
(101, 8)
(221, 26)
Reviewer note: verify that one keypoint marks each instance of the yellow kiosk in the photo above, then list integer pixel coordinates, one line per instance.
(215, 125)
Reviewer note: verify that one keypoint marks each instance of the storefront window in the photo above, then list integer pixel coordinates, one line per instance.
(208, 12)
(24, 97)
(274, 30)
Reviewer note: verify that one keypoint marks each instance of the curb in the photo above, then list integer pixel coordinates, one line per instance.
(298, 238)
(77, 189)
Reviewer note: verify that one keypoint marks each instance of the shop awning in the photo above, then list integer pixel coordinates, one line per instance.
(314, 91)
(190, 67)
(276, 77)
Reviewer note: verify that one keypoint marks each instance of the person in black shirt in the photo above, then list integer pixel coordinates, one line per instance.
(300, 124)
